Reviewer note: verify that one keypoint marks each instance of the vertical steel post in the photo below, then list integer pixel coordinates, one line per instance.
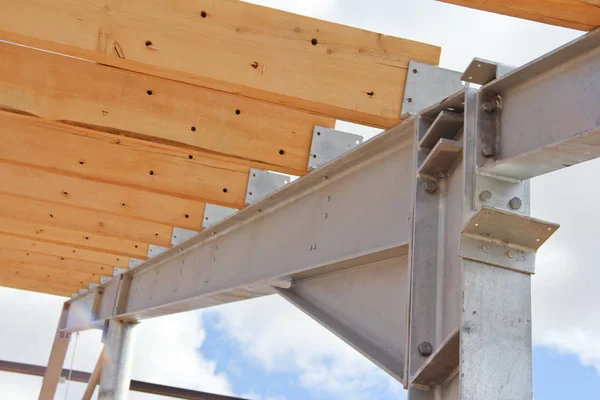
(117, 360)
(57, 357)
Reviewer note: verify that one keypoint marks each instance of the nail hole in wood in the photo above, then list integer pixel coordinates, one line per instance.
(148, 43)
(281, 152)
(193, 129)
(254, 65)
(238, 112)
(314, 42)
(149, 92)
(191, 157)
(224, 190)
(81, 162)
(203, 14)
(187, 215)
(151, 172)
(370, 94)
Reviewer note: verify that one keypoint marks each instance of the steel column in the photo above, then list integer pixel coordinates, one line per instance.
(57, 357)
(117, 360)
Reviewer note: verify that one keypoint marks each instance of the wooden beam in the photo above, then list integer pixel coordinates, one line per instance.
(120, 160)
(114, 100)
(81, 240)
(48, 274)
(583, 15)
(42, 185)
(69, 264)
(89, 221)
(16, 242)
(231, 46)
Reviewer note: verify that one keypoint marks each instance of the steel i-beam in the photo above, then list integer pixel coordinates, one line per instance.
(451, 319)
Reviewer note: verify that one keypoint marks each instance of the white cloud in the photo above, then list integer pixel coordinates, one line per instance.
(282, 339)
(166, 349)
(566, 304)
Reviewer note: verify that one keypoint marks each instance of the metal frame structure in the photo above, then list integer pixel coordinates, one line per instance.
(416, 247)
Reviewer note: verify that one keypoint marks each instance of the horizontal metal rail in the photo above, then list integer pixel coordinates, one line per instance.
(136, 386)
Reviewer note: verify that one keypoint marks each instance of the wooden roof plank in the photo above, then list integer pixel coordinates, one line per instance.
(119, 160)
(88, 221)
(52, 234)
(16, 242)
(48, 274)
(46, 186)
(55, 289)
(232, 46)
(583, 15)
(118, 101)
(31, 257)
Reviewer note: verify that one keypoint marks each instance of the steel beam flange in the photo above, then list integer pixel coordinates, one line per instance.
(328, 144)
(482, 71)
(426, 85)
(262, 183)
(504, 239)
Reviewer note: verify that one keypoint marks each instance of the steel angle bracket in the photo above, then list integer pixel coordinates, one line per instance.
(180, 235)
(262, 183)
(328, 144)
(482, 71)
(504, 239)
(426, 85)
(214, 214)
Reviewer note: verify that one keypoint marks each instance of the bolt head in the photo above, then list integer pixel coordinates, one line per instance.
(490, 105)
(511, 253)
(425, 349)
(515, 203)
(430, 186)
(487, 151)
(486, 195)
(486, 248)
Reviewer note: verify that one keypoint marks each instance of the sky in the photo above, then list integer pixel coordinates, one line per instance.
(265, 349)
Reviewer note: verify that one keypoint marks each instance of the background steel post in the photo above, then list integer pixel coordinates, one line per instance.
(117, 361)
(57, 357)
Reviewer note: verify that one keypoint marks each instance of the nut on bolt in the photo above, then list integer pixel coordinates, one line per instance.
(430, 186)
(485, 195)
(425, 349)
(487, 151)
(515, 203)
(490, 105)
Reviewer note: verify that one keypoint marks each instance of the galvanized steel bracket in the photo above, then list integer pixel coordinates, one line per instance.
(482, 71)
(426, 85)
(504, 239)
(262, 183)
(328, 144)
(214, 214)
(180, 235)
